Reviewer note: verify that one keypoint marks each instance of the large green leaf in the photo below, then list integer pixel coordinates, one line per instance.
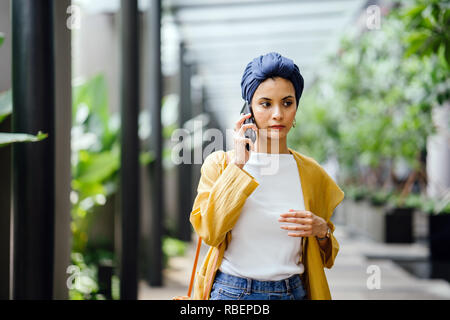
(94, 94)
(5, 105)
(96, 167)
(8, 138)
(417, 41)
(90, 109)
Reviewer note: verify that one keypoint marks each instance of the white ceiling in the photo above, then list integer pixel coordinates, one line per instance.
(222, 37)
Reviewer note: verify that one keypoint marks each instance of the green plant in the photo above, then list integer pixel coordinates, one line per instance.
(413, 200)
(379, 197)
(435, 206)
(96, 163)
(83, 279)
(172, 247)
(392, 119)
(370, 105)
(95, 155)
(7, 138)
(429, 21)
(356, 192)
(5, 111)
(96, 152)
(5, 105)
(316, 133)
(409, 201)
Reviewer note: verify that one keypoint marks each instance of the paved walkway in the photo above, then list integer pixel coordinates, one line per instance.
(347, 279)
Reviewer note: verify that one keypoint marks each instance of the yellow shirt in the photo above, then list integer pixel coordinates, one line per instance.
(221, 194)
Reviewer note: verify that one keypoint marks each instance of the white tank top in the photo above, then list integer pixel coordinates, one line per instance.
(259, 248)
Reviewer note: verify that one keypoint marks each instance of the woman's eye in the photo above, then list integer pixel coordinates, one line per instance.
(267, 104)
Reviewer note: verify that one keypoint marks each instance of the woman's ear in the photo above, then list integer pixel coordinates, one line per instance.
(253, 115)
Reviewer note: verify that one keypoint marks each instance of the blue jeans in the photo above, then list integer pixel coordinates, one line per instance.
(229, 287)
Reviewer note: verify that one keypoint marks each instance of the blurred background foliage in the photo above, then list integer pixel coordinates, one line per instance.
(6, 109)
(95, 172)
(95, 155)
(371, 103)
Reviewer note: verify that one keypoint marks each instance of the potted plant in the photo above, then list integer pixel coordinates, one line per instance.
(438, 228)
(419, 219)
(399, 219)
(438, 236)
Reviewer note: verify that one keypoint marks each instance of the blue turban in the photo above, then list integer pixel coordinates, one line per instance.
(270, 65)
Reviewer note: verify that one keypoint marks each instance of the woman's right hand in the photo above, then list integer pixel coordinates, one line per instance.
(241, 154)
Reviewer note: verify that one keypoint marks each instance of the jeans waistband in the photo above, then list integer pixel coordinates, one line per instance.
(285, 285)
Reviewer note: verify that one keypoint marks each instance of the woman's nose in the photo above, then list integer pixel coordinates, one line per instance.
(277, 113)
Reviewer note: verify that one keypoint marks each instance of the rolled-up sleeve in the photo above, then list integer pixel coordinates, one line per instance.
(330, 252)
(220, 198)
(333, 195)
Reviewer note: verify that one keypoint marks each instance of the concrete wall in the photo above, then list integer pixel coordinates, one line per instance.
(5, 159)
(5, 49)
(63, 125)
(438, 154)
(96, 50)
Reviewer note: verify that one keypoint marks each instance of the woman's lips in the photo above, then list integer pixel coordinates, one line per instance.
(277, 127)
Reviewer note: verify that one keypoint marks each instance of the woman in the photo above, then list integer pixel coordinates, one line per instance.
(276, 202)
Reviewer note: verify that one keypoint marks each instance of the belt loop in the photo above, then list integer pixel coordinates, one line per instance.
(249, 286)
(288, 286)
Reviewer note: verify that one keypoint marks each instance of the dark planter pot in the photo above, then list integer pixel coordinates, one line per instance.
(105, 273)
(440, 270)
(439, 237)
(102, 226)
(399, 225)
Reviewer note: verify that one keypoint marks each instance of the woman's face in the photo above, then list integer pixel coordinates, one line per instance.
(274, 104)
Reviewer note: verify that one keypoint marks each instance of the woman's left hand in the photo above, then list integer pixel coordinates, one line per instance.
(308, 224)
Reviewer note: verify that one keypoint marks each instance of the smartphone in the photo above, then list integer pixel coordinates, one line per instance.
(249, 133)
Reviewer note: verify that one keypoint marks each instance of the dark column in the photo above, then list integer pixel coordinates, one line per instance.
(155, 277)
(203, 104)
(184, 169)
(33, 163)
(129, 172)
